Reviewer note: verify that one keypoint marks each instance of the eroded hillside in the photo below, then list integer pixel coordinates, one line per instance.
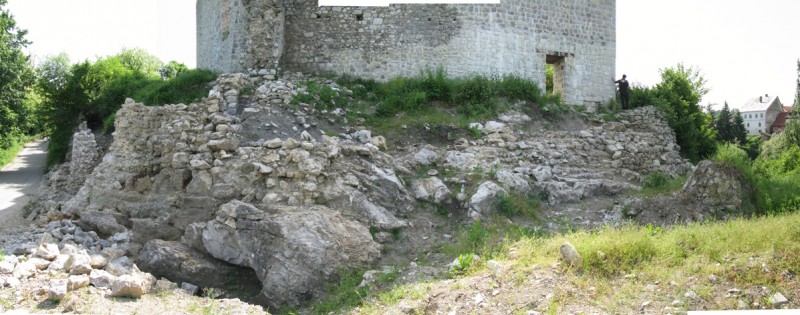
(272, 201)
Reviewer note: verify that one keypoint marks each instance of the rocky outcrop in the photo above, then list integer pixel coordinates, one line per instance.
(179, 262)
(713, 191)
(565, 166)
(294, 251)
(242, 185)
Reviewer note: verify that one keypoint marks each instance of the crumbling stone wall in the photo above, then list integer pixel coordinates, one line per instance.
(513, 37)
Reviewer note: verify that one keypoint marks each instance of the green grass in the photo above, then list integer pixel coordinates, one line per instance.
(187, 87)
(8, 154)
(516, 204)
(660, 184)
(660, 253)
(344, 294)
(685, 255)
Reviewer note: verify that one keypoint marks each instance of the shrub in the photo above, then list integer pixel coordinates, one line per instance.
(187, 87)
(476, 96)
(108, 123)
(437, 86)
(519, 204)
(655, 180)
(464, 261)
(476, 235)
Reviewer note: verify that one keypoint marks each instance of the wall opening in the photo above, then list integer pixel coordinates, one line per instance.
(555, 74)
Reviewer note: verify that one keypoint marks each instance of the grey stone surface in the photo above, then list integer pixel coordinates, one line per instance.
(513, 37)
(292, 250)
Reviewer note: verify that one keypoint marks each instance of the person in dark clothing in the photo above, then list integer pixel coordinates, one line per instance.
(624, 91)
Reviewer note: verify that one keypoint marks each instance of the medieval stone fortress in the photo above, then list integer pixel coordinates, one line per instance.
(402, 160)
(514, 37)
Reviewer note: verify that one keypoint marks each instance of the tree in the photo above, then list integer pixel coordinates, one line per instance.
(52, 73)
(738, 128)
(678, 96)
(797, 92)
(172, 69)
(139, 60)
(723, 124)
(16, 76)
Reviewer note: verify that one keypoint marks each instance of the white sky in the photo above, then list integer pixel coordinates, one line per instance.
(744, 48)
(86, 29)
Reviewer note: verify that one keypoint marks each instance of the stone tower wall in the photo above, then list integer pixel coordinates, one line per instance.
(513, 37)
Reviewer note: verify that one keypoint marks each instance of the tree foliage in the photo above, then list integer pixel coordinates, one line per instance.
(797, 92)
(139, 60)
(16, 76)
(678, 95)
(172, 69)
(94, 91)
(729, 126)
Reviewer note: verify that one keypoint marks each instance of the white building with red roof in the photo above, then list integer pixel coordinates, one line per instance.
(760, 113)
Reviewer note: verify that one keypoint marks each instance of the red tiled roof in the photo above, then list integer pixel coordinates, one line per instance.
(780, 121)
(787, 108)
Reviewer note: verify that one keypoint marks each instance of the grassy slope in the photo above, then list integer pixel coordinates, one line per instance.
(8, 155)
(758, 256)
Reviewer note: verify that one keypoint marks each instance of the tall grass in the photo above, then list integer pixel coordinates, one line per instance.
(775, 181)
(676, 250)
(8, 154)
(472, 97)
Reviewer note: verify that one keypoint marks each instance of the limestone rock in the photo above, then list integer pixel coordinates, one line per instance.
(513, 181)
(6, 267)
(431, 189)
(363, 136)
(777, 299)
(179, 262)
(189, 288)
(57, 289)
(485, 198)
(426, 156)
(58, 263)
(120, 266)
(101, 278)
(78, 264)
(304, 246)
(227, 145)
(164, 285)
(40, 264)
(105, 223)
(571, 257)
(24, 269)
(132, 285)
(47, 251)
(76, 282)
(494, 127)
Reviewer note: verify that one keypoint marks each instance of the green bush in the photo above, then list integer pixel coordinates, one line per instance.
(655, 180)
(95, 91)
(437, 86)
(476, 96)
(516, 204)
(187, 87)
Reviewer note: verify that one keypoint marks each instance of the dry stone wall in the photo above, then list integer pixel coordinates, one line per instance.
(513, 37)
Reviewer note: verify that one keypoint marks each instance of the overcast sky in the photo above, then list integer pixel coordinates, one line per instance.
(744, 48)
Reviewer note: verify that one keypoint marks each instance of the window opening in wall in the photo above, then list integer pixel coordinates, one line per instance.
(554, 74)
(360, 17)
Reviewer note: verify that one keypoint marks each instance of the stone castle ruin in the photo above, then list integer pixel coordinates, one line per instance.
(514, 37)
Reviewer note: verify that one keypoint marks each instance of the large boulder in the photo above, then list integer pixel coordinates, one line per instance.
(294, 251)
(431, 189)
(179, 262)
(485, 199)
(713, 191)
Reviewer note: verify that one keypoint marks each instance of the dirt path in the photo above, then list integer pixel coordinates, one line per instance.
(18, 181)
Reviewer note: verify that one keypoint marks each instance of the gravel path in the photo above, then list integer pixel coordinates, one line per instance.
(18, 181)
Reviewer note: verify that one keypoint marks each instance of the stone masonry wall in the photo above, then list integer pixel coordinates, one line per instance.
(513, 37)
